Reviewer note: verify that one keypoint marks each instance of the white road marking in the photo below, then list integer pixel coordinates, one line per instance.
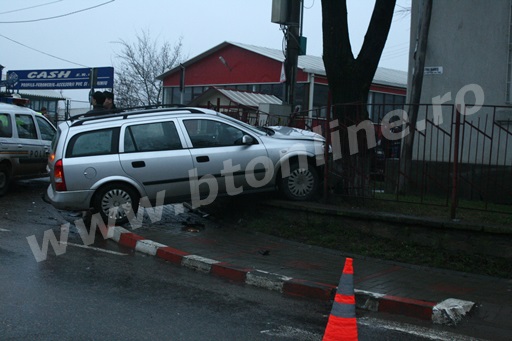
(292, 333)
(429, 333)
(96, 249)
(4, 230)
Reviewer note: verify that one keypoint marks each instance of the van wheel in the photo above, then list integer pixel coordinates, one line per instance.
(301, 184)
(114, 201)
(5, 179)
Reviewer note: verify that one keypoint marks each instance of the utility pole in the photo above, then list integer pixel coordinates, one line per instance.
(182, 84)
(2, 83)
(292, 49)
(415, 95)
(93, 76)
(288, 13)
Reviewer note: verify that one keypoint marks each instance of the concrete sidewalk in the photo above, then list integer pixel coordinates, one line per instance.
(443, 297)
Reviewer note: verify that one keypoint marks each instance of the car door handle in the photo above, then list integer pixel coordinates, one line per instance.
(138, 164)
(202, 158)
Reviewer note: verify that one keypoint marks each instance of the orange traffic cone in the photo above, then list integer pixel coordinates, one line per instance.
(342, 324)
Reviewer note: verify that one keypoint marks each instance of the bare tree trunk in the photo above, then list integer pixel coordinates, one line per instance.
(350, 78)
(415, 97)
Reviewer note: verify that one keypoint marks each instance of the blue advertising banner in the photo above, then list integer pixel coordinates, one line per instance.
(60, 78)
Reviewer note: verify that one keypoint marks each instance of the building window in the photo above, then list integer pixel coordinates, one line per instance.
(52, 106)
(243, 87)
(321, 96)
(379, 104)
(265, 89)
(300, 96)
(171, 95)
(34, 104)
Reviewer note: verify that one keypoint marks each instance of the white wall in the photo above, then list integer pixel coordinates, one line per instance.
(470, 41)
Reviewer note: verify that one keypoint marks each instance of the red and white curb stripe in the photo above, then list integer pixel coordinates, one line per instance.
(447, 312)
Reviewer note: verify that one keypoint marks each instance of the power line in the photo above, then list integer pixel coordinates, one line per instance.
(398, 45)
(22, 9)
(47, 54)
(394, 55)
(401, 13)
(55, 17)
(395, 51)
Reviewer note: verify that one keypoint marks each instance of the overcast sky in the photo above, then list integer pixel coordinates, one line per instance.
(60, 34)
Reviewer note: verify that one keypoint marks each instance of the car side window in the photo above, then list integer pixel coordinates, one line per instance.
(210, 133)
(151, 137)
(5, 125)
(26, 127)
(47, 131)
(91, 143)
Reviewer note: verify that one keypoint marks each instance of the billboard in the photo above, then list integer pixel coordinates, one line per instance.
(60, 79)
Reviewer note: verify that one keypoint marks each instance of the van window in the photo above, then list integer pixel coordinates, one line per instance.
(5, 125)
(151, 137)
(26, 127)
(91, 143)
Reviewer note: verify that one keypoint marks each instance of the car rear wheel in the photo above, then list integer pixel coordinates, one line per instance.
(114, 201)
(301, 184)
(5, 179)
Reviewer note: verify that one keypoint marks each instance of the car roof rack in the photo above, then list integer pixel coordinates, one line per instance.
(124, 113)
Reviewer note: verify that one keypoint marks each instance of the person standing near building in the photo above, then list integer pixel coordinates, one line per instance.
(97, 101)
(44, 112)
(109, 100)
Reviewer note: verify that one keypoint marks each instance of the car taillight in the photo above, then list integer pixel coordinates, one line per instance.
(58, 176)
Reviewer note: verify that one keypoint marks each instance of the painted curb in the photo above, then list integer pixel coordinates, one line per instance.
(448, 312)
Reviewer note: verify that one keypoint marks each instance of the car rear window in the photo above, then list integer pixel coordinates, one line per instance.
(92, 143)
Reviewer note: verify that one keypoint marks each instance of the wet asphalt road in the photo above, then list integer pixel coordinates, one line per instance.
(107, 292)
(88, 293)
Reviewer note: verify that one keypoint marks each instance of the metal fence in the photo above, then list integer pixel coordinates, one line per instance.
(462, 159)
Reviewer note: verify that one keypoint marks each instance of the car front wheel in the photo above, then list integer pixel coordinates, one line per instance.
(301, 184)
(114, 202)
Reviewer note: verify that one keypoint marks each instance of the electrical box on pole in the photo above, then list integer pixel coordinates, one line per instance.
(303, 42)
(282, 12)
(288, 13)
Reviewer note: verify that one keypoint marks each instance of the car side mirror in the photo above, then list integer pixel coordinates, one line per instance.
(247, 140)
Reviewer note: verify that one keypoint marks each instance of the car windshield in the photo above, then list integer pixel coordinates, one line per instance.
(257, 130)
(267, 130)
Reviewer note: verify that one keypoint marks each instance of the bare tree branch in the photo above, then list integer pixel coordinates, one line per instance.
(139, 65)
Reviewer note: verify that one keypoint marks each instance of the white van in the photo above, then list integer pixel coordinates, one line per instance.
(25, 139)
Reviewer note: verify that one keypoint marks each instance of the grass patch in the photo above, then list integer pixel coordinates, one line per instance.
(329, 232)
(476, 212)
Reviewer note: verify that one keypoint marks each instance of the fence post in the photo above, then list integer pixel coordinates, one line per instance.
(327, 132)
(455, 175)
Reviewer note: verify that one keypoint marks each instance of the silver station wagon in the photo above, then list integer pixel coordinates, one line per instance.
(113, 162)
(25, 139)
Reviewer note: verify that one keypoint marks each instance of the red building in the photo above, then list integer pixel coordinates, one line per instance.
(259, 69)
